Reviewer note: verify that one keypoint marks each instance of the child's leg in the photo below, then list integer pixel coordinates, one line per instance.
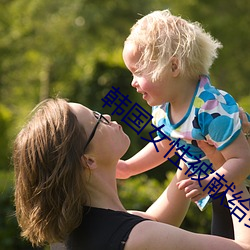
(222, 224)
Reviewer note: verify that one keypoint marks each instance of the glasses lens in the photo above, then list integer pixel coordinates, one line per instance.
(104, 120)
(99, 116)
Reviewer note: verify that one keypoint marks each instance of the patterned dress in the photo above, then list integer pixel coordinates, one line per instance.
(213, 115)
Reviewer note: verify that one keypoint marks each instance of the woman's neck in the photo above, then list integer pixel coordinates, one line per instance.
(102, 189)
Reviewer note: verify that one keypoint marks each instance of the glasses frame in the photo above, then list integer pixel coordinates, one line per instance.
(100, 118)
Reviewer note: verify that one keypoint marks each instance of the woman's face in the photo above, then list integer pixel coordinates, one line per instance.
(109, 140)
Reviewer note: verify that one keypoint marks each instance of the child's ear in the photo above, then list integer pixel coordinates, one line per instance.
(175, 66)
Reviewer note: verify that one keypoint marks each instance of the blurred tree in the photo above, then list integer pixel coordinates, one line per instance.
(227, 21)
(72, 48)
(5, 123)
(57, 45)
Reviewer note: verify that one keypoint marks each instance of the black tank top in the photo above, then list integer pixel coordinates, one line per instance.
(102, 229)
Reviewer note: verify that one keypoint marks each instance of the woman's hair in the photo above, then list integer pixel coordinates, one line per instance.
(49, 182)
(160, 36)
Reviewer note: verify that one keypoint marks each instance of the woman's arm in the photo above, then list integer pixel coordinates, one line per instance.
(245, 124)
(160, 236)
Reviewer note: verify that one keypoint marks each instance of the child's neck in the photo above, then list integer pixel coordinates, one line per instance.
(181, 103)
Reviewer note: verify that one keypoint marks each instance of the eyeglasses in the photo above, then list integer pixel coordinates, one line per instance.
(100, 118)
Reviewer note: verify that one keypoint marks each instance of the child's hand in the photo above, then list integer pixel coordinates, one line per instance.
(192, 189)
(122, 170)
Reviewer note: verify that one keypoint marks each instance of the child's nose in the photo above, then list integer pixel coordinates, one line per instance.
(134, 83)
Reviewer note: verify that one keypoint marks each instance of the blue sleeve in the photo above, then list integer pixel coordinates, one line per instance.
(219, 120)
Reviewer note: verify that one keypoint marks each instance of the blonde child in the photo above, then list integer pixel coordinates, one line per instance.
(170, 59)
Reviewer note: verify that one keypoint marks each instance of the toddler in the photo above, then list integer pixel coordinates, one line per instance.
(170, 59)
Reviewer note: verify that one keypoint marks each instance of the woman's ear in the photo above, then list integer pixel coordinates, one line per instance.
(89, 161)
(175, 66)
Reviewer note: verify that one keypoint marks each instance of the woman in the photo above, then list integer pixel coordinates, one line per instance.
(65, 188)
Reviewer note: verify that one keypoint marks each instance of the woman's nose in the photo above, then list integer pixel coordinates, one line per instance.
(108, 117)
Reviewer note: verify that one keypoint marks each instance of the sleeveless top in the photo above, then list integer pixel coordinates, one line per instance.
(102, 229)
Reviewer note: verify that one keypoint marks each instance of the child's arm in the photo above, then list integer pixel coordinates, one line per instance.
(237, 157)
(214, 156)
(235, 169)
(171, 207)
(144, 160)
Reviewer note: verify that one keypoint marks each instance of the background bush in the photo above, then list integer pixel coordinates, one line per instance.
(73, 48)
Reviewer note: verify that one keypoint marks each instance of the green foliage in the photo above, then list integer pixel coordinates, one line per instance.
(5, 124)
(139, 192)
(228, 22)
(73, 48)
(245, 103)
(9, 231)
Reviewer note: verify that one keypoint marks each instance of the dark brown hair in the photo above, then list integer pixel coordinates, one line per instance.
(49, 182)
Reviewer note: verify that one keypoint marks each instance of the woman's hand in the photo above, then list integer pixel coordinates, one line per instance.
(245, 124)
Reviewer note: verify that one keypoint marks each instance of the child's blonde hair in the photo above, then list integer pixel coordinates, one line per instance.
(161, 36)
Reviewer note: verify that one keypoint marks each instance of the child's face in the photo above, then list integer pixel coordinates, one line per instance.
(152, 92)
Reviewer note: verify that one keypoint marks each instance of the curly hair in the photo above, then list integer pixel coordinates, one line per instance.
(160, 36)
(49, 181)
